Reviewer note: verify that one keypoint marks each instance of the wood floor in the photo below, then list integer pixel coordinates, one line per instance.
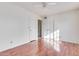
(38, 48)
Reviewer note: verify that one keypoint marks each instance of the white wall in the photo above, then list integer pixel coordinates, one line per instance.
(17, 26)
(67, 23)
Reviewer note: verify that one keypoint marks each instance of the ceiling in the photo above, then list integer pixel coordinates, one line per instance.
(50, 7)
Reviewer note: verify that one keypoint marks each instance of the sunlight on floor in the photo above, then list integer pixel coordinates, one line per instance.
(53, 39)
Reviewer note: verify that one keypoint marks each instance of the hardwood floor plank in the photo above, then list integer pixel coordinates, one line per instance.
(34, 49)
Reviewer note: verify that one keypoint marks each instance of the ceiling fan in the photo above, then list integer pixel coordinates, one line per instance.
(45, 4)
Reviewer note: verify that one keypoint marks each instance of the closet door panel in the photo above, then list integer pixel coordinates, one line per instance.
(32, 29)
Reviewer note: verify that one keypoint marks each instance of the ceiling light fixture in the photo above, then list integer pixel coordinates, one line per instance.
(44, 4)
